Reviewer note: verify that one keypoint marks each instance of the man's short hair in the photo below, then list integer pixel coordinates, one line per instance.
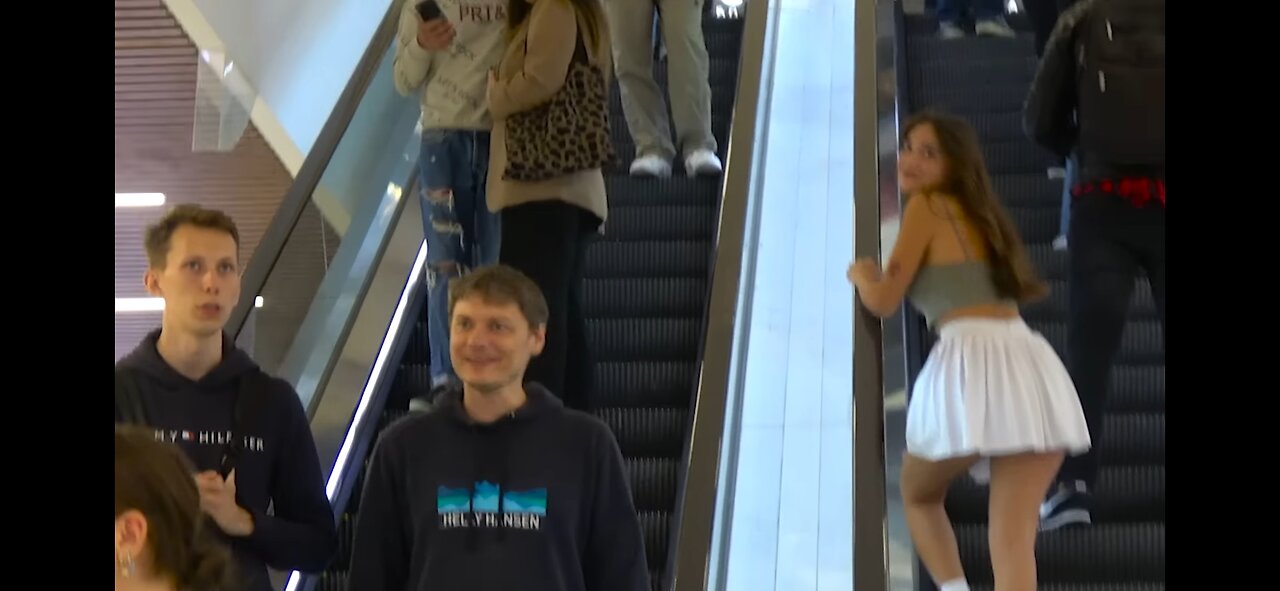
(500, 284)
(160, 234)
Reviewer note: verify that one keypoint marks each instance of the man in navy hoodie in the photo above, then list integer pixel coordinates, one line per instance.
(499, 487)
(245, 431)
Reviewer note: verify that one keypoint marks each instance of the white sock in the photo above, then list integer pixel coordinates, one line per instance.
(954, 585)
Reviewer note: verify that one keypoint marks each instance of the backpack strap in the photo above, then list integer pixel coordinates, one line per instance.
(250, 393)
(129, 407)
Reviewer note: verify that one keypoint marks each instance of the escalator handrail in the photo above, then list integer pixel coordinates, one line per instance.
(695, 555)
(295, 201)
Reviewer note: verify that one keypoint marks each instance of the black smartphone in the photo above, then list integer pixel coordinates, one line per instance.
(429, 10)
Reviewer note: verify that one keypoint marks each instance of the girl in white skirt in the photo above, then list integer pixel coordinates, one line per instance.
(993, 398)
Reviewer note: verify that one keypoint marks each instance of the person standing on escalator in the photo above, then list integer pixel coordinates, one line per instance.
(688, 84)
(1099, 92)
(444, 52)
(500, 487)
(550, 102)
(245, 431)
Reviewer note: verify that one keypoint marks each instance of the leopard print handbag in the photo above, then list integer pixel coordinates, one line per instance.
(567, 134)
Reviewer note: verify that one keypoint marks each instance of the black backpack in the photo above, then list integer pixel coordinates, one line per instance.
(131, 410)
(1120, 83)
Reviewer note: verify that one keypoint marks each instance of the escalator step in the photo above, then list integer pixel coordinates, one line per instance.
(1016, 156)
(636, 260)
(639, 298)
(1095, 554)
(1136, 389)
(653, 482)
(629, 384)
(1035, 224)
(414, 377)
(1142, 343)
(930, 48)
(1029, 189)
(692, 222)
(651, 339)
(647, 432)
(998, 127)
(970, 99)
(1142, 305)
(625, 191)
(656, 525)
(1124, 494)
(1008, 70)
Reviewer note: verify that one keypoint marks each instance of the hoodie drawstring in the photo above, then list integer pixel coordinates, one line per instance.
(471, 542)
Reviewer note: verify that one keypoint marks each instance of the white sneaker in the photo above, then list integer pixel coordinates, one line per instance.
(702, 161)
(994, 27)
(651, 165)
(950, 31)
(1060, 243)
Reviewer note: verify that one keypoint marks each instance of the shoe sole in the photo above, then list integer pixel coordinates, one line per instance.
(1066, 518)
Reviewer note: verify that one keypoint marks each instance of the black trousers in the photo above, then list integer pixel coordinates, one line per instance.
(1110, 240)
(548, 240)
(1043, 15)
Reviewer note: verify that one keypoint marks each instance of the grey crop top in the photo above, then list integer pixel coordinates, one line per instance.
(939, 289)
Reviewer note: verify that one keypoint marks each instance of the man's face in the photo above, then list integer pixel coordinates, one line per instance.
(200, 280)
(491, 344)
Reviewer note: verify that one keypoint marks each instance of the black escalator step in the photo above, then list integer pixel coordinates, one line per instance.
(390, 417)
(647, 432)
(931, 48)
(722, 44)
(1142, 305)
(1016, 156)
(1010, 69)
(1124, 494)
(968, 99)
(1049, 263)
(1141, 344)
(656, 339)
(346, 535)
(333, 581)
(626, 191)
(653, 483)
(629, 384)
(655, 526)
(648, 259)
(1029, 189)
(357, 490)
(691, 222)
(1137, 389)
(642, 298)
(1036, 224)
(413, 378)
(993, 127)
(1096, 554)
(1088, 587)
(416, 350)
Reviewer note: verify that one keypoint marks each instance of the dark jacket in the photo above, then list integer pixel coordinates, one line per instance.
(278, 463)
(1099, 90)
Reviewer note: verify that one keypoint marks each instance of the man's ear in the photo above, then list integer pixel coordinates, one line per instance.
(539, 339)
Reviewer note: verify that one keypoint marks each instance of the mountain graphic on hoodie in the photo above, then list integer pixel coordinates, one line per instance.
(460, 500)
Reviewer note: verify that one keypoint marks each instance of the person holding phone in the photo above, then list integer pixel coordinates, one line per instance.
(444, 52)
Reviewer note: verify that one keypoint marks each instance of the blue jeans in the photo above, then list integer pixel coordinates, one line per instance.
(460, 231)
(1068, 179)
(951, 11)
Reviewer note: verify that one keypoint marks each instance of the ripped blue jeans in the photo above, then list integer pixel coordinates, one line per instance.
(460, 231)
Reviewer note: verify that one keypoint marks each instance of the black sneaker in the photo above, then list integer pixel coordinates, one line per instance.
(1068, 506)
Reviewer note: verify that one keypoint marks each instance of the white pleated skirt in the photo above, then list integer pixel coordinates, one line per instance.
(993, 387)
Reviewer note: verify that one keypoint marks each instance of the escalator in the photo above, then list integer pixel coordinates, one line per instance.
(986, 80)
(645, 295)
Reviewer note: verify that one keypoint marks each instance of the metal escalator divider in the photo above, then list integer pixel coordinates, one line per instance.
(985, 81)
(644, 294)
